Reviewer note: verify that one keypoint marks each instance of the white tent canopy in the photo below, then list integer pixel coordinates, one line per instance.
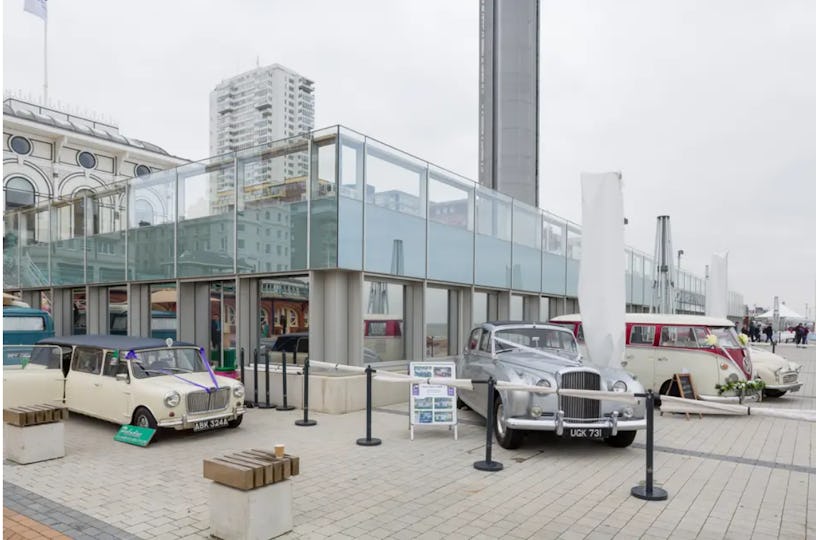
(784, 313)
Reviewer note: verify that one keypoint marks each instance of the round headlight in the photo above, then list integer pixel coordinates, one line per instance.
(544, 383)
(619, 386)
(628, 412)
(732, 378)
(238, 391)
(171, 399)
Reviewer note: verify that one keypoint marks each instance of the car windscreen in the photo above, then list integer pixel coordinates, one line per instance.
(726, 336)
(548, 339)
(166, 361)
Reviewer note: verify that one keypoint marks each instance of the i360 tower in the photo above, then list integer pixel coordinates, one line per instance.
(508, 97)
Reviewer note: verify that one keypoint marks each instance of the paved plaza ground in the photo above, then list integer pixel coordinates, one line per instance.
(727, 477)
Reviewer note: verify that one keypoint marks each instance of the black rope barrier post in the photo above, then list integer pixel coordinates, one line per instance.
(285, 406)
(265, 405)
(368, 441)
(255, 378)
(488, 464)
(305, 421)
(648, 492)
(242, 365)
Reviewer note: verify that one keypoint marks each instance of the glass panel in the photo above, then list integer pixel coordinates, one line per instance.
(350, 205)
(105, 243)
(394, 212)
(223, 324)
(383, 325)
(436, 322)
(272, 207)
(450, 227)
(117, 311)
(163, 322)
(80, 312)
(206, 199)
(284, 310)
(493, 249)
(67, 243)
(628, 274)
(11, 249)
(34, 245)
(544, 309)
(479, 307)
(151, 222)
(526, 248)
(323, 246)
(516, 307)
(573, 258)
(553, 264)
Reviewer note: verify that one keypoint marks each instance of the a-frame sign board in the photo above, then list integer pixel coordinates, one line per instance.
(685, 385)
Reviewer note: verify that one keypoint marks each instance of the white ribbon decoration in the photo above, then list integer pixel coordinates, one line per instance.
(675, 404)
(466, 384)
(338, 367)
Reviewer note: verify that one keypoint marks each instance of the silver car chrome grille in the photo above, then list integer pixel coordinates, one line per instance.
(207, 401)
(580, 408)
(789, 378)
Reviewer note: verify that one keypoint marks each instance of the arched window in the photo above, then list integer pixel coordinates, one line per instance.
(19, 192)
(143, 211)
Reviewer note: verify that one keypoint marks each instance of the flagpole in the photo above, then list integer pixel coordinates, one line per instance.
(45, 62)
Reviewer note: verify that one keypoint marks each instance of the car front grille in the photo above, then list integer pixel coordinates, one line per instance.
(207, 401)
(788, 378)
(580, 408)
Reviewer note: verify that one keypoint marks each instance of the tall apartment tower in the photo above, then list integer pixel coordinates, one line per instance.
(508, 97)
(265, 104)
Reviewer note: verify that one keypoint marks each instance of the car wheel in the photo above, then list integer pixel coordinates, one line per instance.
(507, 437)
(770, 392)
(143, 418)
(237, 422)
(461, 404)
(622, 439)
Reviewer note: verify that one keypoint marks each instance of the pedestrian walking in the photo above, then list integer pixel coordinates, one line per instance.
(769, 333)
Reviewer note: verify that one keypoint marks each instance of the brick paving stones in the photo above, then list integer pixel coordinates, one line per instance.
(727, 477)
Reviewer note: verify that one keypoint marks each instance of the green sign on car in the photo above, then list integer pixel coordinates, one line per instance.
(135, 435)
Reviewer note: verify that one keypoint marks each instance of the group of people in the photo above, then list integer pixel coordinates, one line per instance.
(756, 331)
(800, 334)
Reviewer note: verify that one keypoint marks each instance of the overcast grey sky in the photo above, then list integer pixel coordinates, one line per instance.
(707, 108)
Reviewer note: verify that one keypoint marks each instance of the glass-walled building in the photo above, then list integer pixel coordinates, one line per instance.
(376, 255)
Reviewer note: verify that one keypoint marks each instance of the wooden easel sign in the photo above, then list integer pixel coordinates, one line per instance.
(685, 385)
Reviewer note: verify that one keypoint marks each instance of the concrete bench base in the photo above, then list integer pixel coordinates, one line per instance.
(256, 514)
(31, 444)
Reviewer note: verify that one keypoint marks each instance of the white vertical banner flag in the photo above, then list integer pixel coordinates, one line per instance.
(37, 7)
(717, 293)
(602, 275)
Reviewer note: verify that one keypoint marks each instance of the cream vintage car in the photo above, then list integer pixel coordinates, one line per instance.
(779, 374)
(127, 380)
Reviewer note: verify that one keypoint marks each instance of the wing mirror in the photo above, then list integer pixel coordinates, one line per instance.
(122, 377)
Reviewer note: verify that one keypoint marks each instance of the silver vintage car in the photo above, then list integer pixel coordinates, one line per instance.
(539, 354)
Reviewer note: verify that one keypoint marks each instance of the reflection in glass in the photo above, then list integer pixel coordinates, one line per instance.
(323, 225)
(105, 241)
(78, 312)
(383, 324)
(163, 323)
(117, 311)
(436, 322)
(493, 249)
(350, 205)
(151, 251)
(450, 227)
(284, 310)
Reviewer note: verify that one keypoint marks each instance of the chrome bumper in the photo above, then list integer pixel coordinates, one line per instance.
(559, 424)
(790, 387)
(187, 421)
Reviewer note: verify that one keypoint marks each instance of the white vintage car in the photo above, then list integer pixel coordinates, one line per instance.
(779, 374)
(127, 380)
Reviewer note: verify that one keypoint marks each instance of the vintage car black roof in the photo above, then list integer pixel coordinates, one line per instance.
(111, 342)
(508, 323)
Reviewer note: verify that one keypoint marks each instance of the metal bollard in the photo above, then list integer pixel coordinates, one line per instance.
(266, 405)
(255, 378)
(285, 406)
(242, 365)
(305, 421)
(488, 464)
(648, 492)
(368, 441)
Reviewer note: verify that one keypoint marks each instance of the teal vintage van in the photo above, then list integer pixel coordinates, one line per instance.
(22, 327)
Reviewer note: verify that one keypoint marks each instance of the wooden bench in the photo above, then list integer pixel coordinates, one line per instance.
(250, 496)
(34, 433)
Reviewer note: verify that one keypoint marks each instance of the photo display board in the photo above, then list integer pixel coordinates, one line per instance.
(433, 404)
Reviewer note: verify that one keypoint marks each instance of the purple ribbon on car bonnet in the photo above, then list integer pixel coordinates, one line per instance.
(209, 367)
(131, 355)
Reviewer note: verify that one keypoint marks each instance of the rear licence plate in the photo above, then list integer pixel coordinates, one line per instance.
(210, 424)
(589, 433)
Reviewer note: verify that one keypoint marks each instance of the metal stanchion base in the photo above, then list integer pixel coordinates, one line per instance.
(489, 466)
(369, 442)
(305, 422)
(656, 494)
(264, 406)
(286, 408)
